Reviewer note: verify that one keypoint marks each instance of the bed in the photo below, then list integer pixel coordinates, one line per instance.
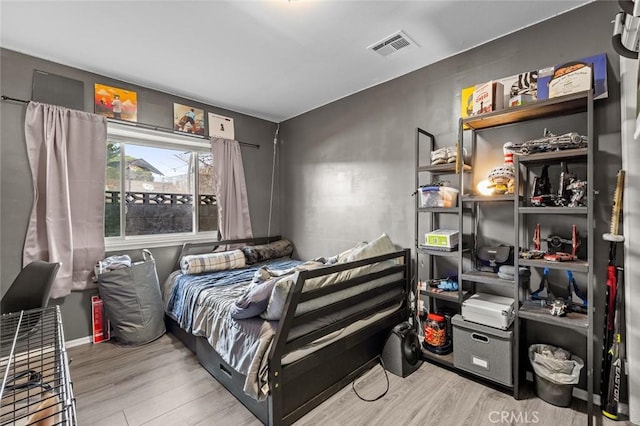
(325, 323)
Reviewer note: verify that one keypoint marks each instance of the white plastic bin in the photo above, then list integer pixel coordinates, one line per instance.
(449, 196)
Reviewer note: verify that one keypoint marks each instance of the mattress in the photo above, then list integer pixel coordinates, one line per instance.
(201, 305)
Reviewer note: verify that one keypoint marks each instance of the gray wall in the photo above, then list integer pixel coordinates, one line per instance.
(155, 108)
(348, 167)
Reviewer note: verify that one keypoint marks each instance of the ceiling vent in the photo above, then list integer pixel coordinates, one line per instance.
(392, 44)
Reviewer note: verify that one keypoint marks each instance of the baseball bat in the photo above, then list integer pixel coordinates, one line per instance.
(609, 388)
(616, 358)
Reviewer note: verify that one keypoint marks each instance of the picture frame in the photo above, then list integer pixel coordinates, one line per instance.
(188, 119)
(116, 103)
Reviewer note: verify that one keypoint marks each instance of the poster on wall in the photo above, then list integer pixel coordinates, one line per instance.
(188, 119)
(115, 103)
(221, 126)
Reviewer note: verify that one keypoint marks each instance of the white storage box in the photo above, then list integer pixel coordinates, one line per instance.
(445, 239)
(484, 351)
(488, 309)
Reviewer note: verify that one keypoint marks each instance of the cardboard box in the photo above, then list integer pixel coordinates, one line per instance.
(521, 100)
(488, 97)
(441, 238)
(525, 83)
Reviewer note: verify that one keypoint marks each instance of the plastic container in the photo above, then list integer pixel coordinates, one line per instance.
(449, 196)
(436, 334)
(430, 196)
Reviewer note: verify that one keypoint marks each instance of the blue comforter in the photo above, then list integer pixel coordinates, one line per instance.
(187, 287)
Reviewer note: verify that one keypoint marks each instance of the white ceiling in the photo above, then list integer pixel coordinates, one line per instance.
(270, 59)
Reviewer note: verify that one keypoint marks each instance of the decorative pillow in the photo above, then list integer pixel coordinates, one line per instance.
(208, 262)
(379, 246)
(254, 300)
(274, 250)
(341, 257)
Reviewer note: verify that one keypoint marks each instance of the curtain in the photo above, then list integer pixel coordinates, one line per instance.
(231, 190)
(67, 156)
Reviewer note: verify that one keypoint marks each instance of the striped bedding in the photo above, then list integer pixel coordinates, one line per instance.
(186, 288)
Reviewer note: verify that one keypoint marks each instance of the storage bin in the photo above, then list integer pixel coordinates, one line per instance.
(449, 196)
(484, 351)
(438, 196)
(430, 196)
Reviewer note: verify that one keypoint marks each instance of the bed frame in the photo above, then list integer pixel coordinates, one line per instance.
(299, 387)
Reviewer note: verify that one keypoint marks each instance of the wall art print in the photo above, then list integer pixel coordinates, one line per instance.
(221, 126)
(188, 119)
(115, 103)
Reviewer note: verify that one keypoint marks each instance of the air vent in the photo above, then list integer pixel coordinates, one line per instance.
(392, 44)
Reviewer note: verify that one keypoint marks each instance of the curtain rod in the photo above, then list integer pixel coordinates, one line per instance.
(143, 125)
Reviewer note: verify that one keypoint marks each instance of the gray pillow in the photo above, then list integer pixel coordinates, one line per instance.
(274, 250)
(254, 300)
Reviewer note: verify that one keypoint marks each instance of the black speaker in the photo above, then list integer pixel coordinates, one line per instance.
(402, 354)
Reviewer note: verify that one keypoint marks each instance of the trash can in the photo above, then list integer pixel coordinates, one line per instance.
(556, 372)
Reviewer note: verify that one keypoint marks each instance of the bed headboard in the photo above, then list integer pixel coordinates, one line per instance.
(209, 246)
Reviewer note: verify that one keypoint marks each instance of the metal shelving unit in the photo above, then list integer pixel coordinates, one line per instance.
(532, 311)
(425, 143)
(578, 103)
(473, 203)
(525, 310)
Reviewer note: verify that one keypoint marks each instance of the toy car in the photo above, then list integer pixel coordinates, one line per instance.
(532, 254)
(559, 257)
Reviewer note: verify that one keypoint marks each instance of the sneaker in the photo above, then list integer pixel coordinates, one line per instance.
(439, 156)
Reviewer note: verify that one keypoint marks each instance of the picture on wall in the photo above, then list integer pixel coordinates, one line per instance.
(115, 103)
(221, 126)
(188, 119)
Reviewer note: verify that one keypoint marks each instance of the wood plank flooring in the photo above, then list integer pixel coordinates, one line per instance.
(162, 383)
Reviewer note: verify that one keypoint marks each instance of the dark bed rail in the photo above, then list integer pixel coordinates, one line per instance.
(322, 332)
(283, 345)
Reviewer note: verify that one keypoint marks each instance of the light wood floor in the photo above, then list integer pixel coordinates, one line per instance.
(162, 384)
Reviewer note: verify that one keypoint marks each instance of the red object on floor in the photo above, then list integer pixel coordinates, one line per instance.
(99, 320)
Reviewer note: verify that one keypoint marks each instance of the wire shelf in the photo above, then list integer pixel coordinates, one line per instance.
(36, 387)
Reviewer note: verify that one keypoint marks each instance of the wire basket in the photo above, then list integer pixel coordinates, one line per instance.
(36, 387)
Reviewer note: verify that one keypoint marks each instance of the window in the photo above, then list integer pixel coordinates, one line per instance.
(159, 188)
